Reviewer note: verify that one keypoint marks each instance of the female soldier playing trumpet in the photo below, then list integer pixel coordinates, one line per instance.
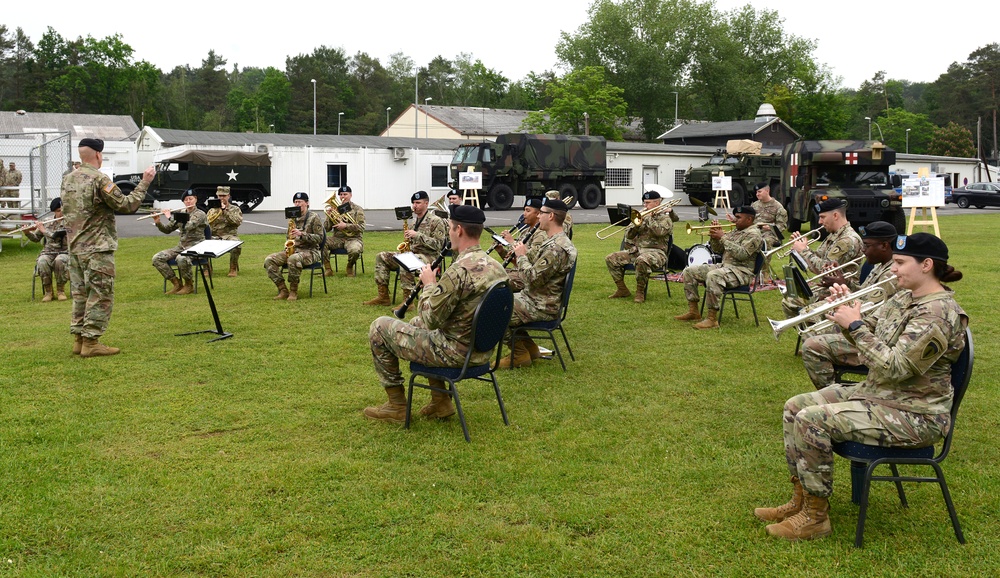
(909, 345)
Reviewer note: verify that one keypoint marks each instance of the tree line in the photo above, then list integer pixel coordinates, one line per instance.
(632, 65)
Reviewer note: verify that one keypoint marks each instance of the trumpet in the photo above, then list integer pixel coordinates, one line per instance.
(785, 249)
(723, 226)
(34, 224)
(875, 296)
(635, 218)
(163, 212)
(849, 269)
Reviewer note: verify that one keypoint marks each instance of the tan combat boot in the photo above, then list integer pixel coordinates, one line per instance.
(293, 291)
(187, 287)
(640, 290)
(711, 322)
(350, 267)
(392, 411)
(327, 270)
(61, 292)
(621, 292)
(440, 405)
(783, 512)
(234, 269)
(176, 288)
(518, 357)
(692, 314)
(532, 349)
(77, 343)
(812, 521)
(383, 297)
(47, 287)
(94, 348)
(282, 290)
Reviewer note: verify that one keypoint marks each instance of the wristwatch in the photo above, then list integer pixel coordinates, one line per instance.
(855, 325)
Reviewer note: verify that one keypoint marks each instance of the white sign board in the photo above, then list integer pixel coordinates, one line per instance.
(470, 180)
(923, 192)
(722, 183)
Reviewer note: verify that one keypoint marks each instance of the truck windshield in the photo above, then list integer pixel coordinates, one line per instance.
(465, 154)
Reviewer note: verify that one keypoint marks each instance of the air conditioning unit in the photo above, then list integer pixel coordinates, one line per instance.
(400, 154)
(264, 148)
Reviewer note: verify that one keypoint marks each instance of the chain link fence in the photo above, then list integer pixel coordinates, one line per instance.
(42, 158)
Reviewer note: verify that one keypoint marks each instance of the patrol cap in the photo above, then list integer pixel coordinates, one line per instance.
(344, 189)
(92, 143)
(56, 204)
(300, 196)
(745, 210)
(761, 185)
(535, 202)
(830, 205)
(467, 214)
(921, 246)
(420, 196)
(188, 193)
(221, 190)
(454, 193)
(555, 205)
(878, 230)
(648, 195)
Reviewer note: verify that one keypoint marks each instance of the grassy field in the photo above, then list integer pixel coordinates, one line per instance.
(250, 456)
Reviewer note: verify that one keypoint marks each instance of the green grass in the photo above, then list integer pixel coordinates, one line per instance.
(250, 456)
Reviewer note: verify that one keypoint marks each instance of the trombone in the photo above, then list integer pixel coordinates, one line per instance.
(785, 249)
(724, 226)
(875, 296)
(849, 269)
(635, 218)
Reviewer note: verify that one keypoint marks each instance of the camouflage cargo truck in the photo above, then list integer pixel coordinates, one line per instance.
(248, 175)
(855, 170)
(740, 160)
(530, 164)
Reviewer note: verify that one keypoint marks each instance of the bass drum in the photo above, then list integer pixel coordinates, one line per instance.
(702, 255)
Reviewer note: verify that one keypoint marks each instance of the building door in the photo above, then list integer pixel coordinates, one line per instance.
(649, 175)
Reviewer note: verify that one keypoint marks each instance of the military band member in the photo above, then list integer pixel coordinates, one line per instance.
(568, 223)
(439, 334)
(543, 279)
(90, 201)
(224, 223)
(909, 346)
(532, 206)
(426, 239)
(14, 176)
(645, 248)
(821, 351)
(455, 197)
(772, 218)
(192, 231)
(307, 241)
(346, 230)
(739, 249)
(841, 245)
(54, 257)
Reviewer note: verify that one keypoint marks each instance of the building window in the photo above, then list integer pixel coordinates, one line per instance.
(439, 176)
(618, 177)
(679, 179)
(336, 175)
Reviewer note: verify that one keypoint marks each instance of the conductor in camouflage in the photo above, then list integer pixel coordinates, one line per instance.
(191, 222)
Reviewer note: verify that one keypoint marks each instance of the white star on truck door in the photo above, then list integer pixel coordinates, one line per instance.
(232, 175)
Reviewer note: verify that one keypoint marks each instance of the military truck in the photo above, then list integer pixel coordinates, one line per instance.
(855, 170)
(530, 164)
(248, 175)
(742, 160)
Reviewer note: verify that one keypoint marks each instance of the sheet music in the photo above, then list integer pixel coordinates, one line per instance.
(211, 248)
(410, 261)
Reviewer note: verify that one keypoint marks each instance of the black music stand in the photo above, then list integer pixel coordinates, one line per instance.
(211, 249)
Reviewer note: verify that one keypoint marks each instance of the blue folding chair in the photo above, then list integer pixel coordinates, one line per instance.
(549, 327)
(745, 291)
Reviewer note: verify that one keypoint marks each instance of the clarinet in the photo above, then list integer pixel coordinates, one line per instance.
(401, 312)
(524, 240)
(517, 227)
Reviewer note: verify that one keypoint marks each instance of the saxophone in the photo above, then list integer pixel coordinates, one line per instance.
(404, 247)
(290, 243)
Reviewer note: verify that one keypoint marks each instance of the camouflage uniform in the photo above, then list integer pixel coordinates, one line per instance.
(645, 247)
(307, 250)
(821, 351)
(773, 214)
(349, 238)
(439, 334)
(13, 178)
(839, 247)
(908, 345)
(535, 243)
(4, 193)
(739, 254)
(192, 233)
(426, 245)
(224, 227)
(544, 280)
(90, 200)
(568, 221)
(54, 255)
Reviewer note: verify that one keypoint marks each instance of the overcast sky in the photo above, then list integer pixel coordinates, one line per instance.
(855, 38)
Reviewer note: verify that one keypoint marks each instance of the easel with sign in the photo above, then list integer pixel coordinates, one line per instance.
(471, 183)
(722, 185)
(914, 188)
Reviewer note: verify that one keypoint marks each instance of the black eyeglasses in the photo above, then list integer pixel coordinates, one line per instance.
(545, 212)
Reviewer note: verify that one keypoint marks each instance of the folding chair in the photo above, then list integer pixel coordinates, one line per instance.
(630, 268)
(865, 458)
(745, 291)
(342, 251)
(489, 323)
(549, 327)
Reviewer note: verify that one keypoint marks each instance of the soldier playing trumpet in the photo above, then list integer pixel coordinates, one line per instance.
(224, 222)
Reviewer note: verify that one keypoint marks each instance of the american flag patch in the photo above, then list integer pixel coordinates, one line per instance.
(109, 187)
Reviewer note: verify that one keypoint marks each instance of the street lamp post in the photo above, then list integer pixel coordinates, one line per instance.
(314, 106)
(675, 107)
(426, 100)
(387, 109)
(339, 116)
(869, 119)
(586, 123)
(907, 141)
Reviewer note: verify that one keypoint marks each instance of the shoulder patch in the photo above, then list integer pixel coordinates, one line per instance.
(932, 350)
(109, 187)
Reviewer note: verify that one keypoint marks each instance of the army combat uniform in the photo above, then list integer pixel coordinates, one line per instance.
(349, 238)
(909, 346)
(192, 233)
(224, 227)
(439, 334)
(839, 247)
(90, 200)
(544, 280)
(645, 247)
(773, 214)
(53, 258)
(431, 236)
(739, 253)
(307, 251)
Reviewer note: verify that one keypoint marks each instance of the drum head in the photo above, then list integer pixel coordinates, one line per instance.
(700, 255)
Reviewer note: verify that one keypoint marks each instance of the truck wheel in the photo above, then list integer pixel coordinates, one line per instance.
(898, 220)
(569, 190)
(794, 225)
(590, 196)
(501, 197)
(737, 196)
(963, 202)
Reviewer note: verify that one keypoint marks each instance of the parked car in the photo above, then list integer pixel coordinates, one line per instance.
(978, 195)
